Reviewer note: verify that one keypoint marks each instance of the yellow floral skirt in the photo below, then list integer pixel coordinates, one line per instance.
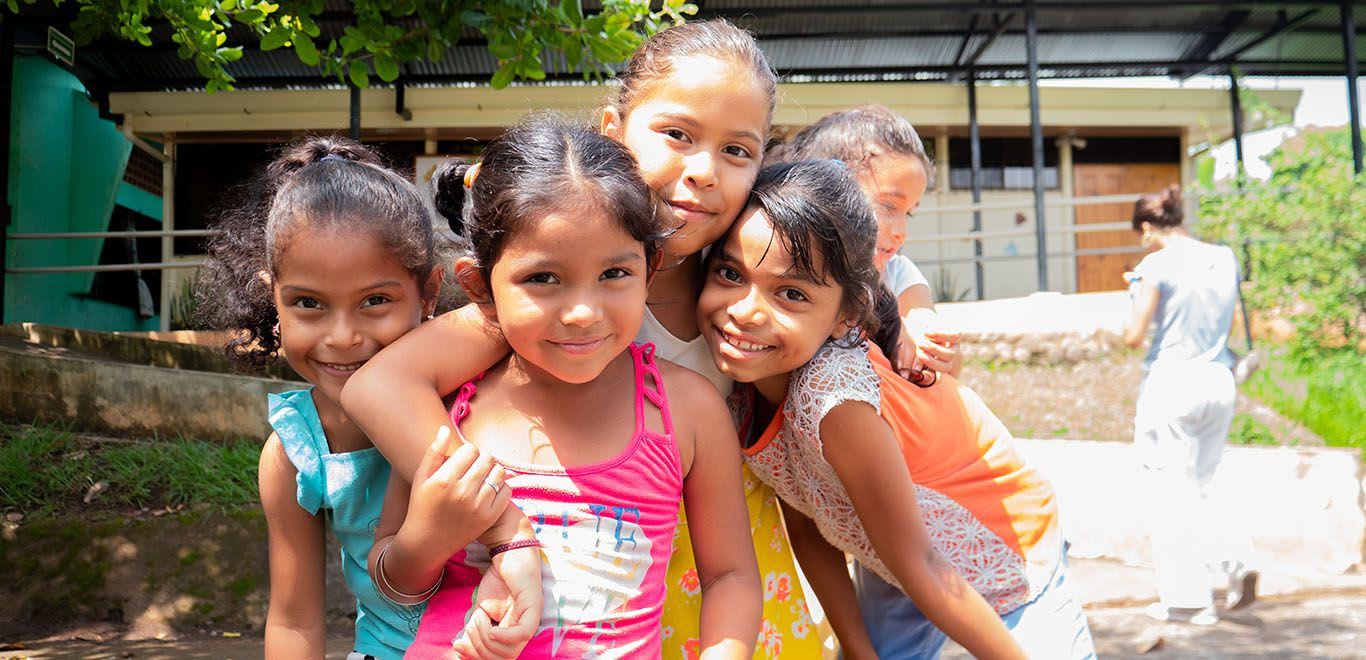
(787, 630)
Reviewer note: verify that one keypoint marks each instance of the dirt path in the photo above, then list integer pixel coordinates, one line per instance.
(1330, 627)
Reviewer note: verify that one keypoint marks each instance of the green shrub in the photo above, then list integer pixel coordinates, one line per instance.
(1304, 232)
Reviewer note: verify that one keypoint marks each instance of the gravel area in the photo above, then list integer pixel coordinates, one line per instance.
(1090, 400)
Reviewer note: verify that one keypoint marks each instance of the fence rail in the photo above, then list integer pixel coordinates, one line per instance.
(919, 238)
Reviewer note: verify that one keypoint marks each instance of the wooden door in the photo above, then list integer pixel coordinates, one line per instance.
(1104, 272)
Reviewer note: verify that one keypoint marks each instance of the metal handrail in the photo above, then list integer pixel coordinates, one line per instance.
(104, 268)
(132, 233)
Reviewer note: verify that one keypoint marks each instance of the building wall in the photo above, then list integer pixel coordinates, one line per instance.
(66, 170)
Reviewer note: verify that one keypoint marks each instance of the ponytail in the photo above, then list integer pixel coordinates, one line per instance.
(449, 194)
(1162, 209)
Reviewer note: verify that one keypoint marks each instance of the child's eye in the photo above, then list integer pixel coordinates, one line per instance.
(541, 278)
(615, 273)
(307, 303)
(727, 273)
(792, 295)
(737, 151)
(376, 300)
(675, 134)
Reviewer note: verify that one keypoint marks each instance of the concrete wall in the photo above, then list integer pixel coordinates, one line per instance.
(1290, 510)
(66, 170)
(105, 394)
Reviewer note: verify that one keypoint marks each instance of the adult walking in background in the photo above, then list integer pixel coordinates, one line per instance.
(1185, 404)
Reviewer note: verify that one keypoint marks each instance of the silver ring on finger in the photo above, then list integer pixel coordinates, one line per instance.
(495, 486)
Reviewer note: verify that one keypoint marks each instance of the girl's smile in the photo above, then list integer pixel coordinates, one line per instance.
(567, 292)
(699, 145)
(335, 313)
(762, 320)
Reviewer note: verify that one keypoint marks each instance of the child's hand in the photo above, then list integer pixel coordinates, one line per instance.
(507, 609)
(938, 352)
(455, 497)
(924, 345)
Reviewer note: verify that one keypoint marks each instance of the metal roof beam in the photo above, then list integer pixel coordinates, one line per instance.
(1001, 24)
(982, 6)
(967, 38)
(1232, 21)
(1283, 26)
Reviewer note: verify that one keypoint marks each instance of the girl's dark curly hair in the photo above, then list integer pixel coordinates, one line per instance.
(319, 183)
(542, 165)
(817, 208)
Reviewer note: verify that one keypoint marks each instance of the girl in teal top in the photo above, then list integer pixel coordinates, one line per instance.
(334, 259)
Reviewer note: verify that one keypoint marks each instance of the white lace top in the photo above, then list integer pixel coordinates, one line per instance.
(793, 463)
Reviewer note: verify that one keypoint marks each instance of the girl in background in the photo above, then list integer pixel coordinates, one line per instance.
(1185, 405)
(693, 107)
(954, 534)
(563, 233)
(891, 166)
(335, 260)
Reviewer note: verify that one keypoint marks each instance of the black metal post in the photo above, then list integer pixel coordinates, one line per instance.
(1349, 53)
(1036, 137)
(1236, 107)
(975, 140)
(355, 113)
(6, 97)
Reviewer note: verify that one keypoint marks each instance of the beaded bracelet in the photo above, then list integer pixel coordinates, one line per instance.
(513, 545)
(417, 598)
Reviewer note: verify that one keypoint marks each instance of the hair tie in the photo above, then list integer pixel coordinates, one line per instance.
(335, 157)
(471, 174)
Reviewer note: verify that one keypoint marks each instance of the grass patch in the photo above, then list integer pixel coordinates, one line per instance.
(1326, 393)
(47, 470)
(1246, 430)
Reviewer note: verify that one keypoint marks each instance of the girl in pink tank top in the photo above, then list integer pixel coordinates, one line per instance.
(563, 234)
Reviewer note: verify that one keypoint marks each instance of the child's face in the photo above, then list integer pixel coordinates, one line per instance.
(762, 321)
(894, 184)
(341, 297)
(569, 293)
(698, 136)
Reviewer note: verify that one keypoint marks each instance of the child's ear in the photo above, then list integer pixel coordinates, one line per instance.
(431, 293)
(845, 323)
(472, 281)
(611, 124)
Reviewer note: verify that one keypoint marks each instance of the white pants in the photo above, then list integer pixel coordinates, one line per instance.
(1180, 429)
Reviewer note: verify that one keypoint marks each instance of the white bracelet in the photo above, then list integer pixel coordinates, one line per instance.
(384, 579)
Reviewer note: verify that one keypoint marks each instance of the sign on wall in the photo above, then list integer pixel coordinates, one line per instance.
(425, 165)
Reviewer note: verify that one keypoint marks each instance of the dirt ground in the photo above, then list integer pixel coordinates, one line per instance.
(1328, 627)
(1089, 400)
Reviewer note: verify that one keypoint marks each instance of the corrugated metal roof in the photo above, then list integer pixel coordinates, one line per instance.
(876, 39)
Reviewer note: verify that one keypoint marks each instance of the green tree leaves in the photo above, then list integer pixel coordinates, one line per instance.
(385, 34)
(1305, 234)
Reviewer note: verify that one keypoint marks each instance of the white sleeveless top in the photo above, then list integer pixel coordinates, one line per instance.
(693, 354)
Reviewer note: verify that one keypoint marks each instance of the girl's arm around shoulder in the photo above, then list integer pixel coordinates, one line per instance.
(294, 620)
(396, 397)
(862, 449)
(732, 601)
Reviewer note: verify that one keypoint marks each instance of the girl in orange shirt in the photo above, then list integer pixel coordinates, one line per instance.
(920, 484)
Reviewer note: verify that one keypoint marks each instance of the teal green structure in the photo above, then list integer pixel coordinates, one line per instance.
(66, 175)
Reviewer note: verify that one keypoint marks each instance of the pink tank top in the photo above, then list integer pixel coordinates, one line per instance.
(606, 532)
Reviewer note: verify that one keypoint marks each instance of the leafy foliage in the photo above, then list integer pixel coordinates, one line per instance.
(384, 34)
(1305, 235)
